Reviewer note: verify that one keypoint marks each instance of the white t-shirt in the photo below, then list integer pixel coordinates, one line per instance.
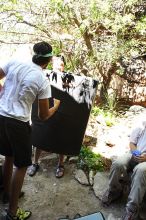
(23, 82)
(138, 137)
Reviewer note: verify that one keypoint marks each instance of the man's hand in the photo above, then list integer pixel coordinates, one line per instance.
(140, 159)
(44, 111)
(56, 103)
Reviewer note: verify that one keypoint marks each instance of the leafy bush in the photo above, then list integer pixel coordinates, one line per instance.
(108, 116)
(96, 111)
(111, 102)
(89, 160)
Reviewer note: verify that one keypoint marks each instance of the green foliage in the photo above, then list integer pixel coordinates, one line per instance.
(109, 117)
(19, 17)
(93, 35)
(89, 160)
(49, 67)
(14, 1)
(57, 50)
(141, 25)
(108, 111)
(120, 71)
(111, 102)
(96, 111)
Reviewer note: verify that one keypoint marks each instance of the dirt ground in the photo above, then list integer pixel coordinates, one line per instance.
(50, 198)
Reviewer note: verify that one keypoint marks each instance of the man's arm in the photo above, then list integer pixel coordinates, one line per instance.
(139, 158)
(2, 75)
(44, 111)
(132, 146)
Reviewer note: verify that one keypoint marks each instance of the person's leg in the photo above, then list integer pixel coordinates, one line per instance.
(7, 167)
(137, 192)
(118, 172)
(60, 167)
(19, 134)
(61, 160)
(35, 166)
(7, 175)
(37, 155)
(138, 184)
(16, 185)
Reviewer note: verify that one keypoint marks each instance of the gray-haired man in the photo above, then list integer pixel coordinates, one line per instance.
(133, 163)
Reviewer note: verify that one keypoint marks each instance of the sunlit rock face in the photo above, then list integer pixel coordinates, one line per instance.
(131, 85)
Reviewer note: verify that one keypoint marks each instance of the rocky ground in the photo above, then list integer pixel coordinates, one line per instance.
(51, 199)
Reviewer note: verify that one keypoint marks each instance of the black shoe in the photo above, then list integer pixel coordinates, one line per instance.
(131, 212)
(109, 197)
(33, 169)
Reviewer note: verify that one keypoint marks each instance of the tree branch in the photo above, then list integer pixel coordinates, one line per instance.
(36, 27)
(86, 35)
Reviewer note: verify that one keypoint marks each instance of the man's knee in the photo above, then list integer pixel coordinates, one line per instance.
(122, 161)
(140, 170)
(118, 164)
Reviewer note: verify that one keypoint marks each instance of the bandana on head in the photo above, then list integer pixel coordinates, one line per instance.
(44, 55)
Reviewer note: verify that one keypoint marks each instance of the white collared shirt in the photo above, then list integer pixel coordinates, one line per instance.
(23, 82)
(138, 137)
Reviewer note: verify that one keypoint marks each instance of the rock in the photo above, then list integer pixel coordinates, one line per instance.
(81, 177)
(111, 217)
(101, 120)
(137, 109)
(49, 157)
(100, 183)
(87, 139)
(73, 159)
(91, 177)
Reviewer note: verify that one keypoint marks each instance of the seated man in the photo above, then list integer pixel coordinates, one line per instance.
(133, 163)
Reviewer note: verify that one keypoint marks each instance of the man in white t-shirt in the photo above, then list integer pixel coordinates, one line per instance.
(131, 164)
(23, 83)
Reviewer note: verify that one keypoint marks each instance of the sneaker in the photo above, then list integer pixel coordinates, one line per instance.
(59, 171)
(20, 215)
(131, 212)
(33, 169)
(109, 196)
(23, 214)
